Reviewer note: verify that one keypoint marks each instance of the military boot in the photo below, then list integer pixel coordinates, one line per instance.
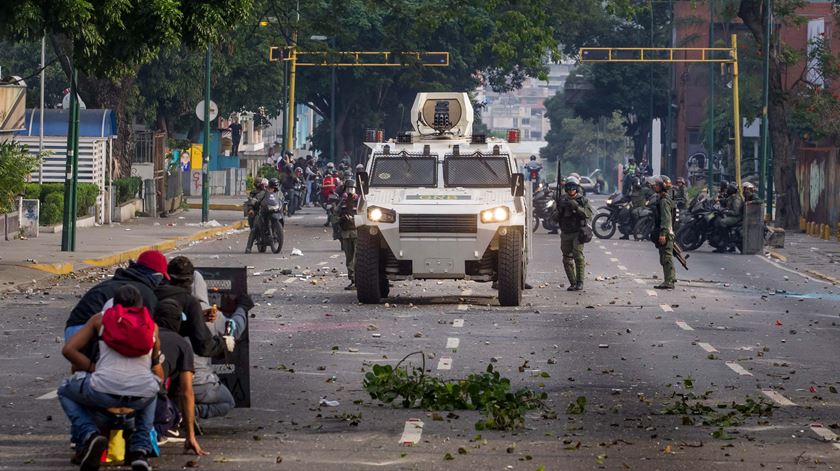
(569, 267)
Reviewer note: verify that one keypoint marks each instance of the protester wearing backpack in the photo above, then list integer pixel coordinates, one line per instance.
(145, 274)
(178, 368)
(127, 374)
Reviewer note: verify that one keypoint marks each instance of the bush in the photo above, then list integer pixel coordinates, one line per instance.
(268, 171)
(127, 188)
(52, 209)
(51, 196)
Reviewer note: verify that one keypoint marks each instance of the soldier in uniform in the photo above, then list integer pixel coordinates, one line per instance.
(573, 212)
(678, 194)
(638, 199)
(663, 231)
(750, 194)
(733, 213)
(346, 212)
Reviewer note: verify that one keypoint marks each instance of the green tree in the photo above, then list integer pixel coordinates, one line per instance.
(15, 166)
(558, 137)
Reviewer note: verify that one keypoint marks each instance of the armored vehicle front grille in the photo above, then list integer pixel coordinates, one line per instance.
(448, 223)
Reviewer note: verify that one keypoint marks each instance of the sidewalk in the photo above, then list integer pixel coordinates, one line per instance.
(810, 255)
(219, 202)
(25, 261)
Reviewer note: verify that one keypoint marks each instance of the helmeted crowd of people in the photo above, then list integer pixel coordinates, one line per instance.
(141, 344)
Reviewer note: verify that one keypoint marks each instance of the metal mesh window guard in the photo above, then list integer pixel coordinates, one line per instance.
(404, 170)
(476, 171)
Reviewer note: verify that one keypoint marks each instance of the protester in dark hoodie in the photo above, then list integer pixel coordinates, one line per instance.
(178, 366)
(179, 288)
(145, 274)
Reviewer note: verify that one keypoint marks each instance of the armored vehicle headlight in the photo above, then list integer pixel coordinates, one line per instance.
(381, 214)
(499, 214)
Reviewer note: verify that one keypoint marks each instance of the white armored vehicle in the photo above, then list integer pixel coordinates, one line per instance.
(442, 203)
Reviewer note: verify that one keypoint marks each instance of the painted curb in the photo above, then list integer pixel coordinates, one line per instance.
(52, 268)
(218, 206)
(823, 276)
(777, 256)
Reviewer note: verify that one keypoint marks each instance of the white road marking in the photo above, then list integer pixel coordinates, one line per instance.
(290, 280)
(639, 281)
(412, 432)
(50, 395)
(614, 260)
(778, 398)
(335, 256)
(463, 307)
(709, 348)
(651, 292)
(445, 364)
(622, 267)
(738, 368)
(608, 253)
(826, 434)
(453, 342)
(458, 323)
(467, 292)
(321, 264)
(682, 325)
(269, 292)
(666, 307)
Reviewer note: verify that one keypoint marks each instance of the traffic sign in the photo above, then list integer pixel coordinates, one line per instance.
(199, 110)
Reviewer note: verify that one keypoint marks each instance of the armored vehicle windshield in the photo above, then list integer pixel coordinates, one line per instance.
(476, 171)
(403, 170)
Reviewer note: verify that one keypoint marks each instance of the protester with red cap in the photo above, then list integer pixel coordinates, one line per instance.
(145, 274)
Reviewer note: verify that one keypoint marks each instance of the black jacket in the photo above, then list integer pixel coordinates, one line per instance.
(202, 340)
(92, 302)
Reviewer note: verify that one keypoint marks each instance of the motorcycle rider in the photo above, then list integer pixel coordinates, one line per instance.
(255, 203)
(533, 168)
(573, 212)
(346, 213)
(663, 231)
(733, 213)
(638, 199)
(750, 194)
(678, 194)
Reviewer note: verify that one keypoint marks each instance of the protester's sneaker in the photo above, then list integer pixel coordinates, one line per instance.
(138, 461)
(92, 453)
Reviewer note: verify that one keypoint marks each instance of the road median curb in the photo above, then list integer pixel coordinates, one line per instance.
(776, 255)
(218, 206)
(52, 268)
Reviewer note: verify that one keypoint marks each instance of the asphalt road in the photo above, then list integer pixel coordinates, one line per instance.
(737, 328)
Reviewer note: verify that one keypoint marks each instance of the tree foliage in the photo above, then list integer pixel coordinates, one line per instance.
(109, 38)
(15, 166)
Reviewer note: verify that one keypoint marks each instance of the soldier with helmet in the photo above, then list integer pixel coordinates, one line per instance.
(254, 207)
(663, 231)
(733, 212)
(678, 193)
(750, 193)
(346, 224)
(573, 212)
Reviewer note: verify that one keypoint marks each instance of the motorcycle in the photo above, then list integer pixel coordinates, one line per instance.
(272, 230)
(701, 226)
(543, 211)
(616, 215)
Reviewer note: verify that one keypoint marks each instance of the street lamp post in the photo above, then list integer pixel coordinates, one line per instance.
(205, 150)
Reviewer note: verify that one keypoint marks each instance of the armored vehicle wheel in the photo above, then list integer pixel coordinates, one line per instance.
(369, 277)
(511, 272)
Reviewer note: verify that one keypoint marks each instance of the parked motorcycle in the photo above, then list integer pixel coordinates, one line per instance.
(543, 211)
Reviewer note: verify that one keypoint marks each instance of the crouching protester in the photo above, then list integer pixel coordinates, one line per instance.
(127, 375)
(178, 367)
(212, 397)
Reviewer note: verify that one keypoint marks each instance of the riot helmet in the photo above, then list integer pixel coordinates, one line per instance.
(273, 184)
